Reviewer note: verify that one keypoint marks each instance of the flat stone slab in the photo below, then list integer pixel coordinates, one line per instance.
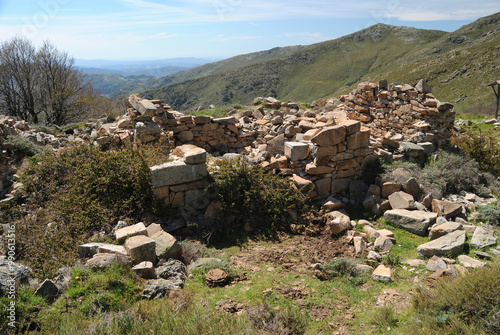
(415, 262)
(451, 244)
(137, 229)
(470, 262)
(416, 222)
(443, 229)
(177, 172)
(482, 238)
(445, 208)
(113, 249)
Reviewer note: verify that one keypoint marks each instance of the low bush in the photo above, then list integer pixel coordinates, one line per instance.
(265, 201)
(489, 215)
(191, 251)
(453, 173)
(467, 305)
(79, 193)
(21, 146)
(384, 317)
(482, 146)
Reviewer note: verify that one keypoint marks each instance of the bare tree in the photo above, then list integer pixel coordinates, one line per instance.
(42, 86)
(18, 79)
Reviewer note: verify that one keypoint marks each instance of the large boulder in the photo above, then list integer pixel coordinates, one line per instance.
(158, 288)
(451, 244)
(383, 273)
(416, 222)
(173, 270)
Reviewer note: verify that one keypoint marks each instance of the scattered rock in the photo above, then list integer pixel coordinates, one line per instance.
(414, 262)
(482, 238)
(158, 288)
(483, 255)
(145, 270)
(141, 248)
(48, 290)
(416, 222)
(435, 263)
(445, 208)
(383, 243)
(173, 270)
(337, 222)
(444, 229)
(389, 188)
(383, 273)
(137, 229)
(231, 307)
(101, 261)
(89, 249)
(359, 244)
(401, 200)
(451, 244)
(373, 255)
(166, 245)
(470, 262)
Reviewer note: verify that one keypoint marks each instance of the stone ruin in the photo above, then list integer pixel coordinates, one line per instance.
(325, 148)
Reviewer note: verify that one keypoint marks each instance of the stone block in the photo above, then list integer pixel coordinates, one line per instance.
(329, 136)
(89, 249)
(145, 270)
(141, 248)
(445, 208)
(296, 151)
(359, 140)
(177, 172)
(190, 154)
(137, 229)
(166, 246)
(443, 229)
(383, 273)
(113, 249)
(323, 186)
(482, 238)
(389, 188)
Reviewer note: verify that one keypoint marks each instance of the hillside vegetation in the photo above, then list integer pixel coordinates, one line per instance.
(333, 67)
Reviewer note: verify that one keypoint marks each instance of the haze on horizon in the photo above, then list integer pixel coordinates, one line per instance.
(215, 29)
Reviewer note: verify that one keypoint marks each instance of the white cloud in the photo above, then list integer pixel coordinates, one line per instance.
(225, 38)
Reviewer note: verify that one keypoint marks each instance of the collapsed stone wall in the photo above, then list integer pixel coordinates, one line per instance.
(400, 112)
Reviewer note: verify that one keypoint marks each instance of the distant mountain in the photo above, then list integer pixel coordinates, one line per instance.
(123, 77)
(455, 64)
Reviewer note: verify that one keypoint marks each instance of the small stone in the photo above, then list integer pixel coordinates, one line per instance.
(141, 248)
(145, 270)
(383, 273)
(383, 243)
(402, 200)
(435, 263)
(415, 262)
(483, 255)
(373, 255)
(337, 222)
(389, 188)
(359, 244)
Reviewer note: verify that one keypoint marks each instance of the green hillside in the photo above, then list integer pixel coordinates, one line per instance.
(455, 64)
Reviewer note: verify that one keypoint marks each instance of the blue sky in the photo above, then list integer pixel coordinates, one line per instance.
(215, 29)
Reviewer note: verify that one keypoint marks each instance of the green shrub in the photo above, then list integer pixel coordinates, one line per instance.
(80, 191)
(482, 146)
(384, 317)
(45, 129)
(470, 303)
(454, 173)
(191, 251)
(21, 146)
(490, 215)
(264, 200)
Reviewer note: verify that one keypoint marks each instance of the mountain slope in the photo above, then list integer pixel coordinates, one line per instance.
(226, 65)
(448, 60)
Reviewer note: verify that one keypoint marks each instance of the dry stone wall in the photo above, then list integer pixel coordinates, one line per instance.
(400, 112)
